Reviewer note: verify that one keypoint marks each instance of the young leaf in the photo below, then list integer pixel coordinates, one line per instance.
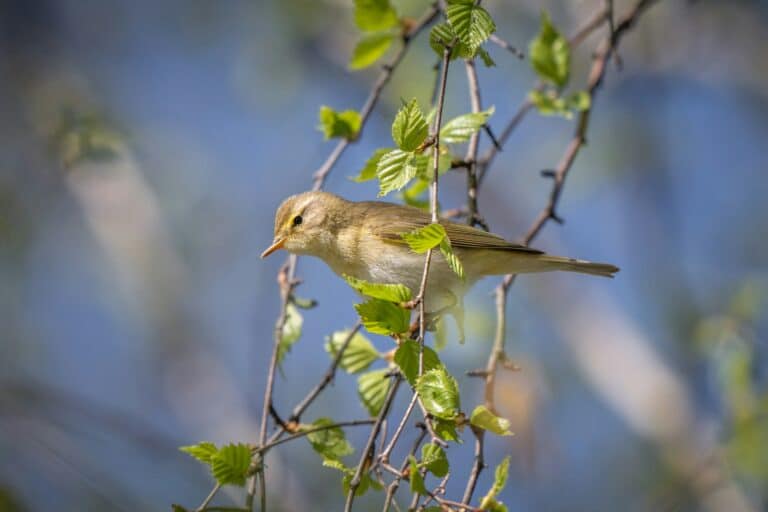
(434, 459)
(486, 58)
(446, 430)
(396, 168)
(441, 334)
(549, 103)
(370, 49)
(373, 15)
(358, 356)
(339, 124)
(451, 258)
(485, 419)
(423, 239)
(439, 393)
(471, 23)
(330, 443)
(550, 54)
(500, 480)
(230, 464)
(368, 172)
(417, 481)
(203, 451)
(412, 195)
(461, 128)
(579, 101)
(392, 292)
(410, 128)
(383, 317)
(349, 473)
(441, 36)
(407, 359)
(372, 387)
(291, 331)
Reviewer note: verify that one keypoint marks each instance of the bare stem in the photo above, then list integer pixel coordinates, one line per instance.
(367, 454)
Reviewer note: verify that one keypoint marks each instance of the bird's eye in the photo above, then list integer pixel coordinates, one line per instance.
(297, 220)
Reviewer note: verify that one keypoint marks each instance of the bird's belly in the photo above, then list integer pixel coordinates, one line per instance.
(394, 264)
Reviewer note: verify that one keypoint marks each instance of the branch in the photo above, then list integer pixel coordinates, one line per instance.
(352, 423)
(505, 45)
(373, 97)
(477, 466)
(368, 451)
(575, 40)
(473, 218)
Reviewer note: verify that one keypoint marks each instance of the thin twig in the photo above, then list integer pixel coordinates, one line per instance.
(526, 106)
(208, 499)
(477, 466)
(302, 433)
(367, 453)
(474, 217)
(507, 46)
(387, 70)
(392, 489)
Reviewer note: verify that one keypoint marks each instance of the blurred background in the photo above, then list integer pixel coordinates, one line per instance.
(145, 145)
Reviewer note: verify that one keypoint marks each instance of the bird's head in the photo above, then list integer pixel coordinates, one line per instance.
(306, 223)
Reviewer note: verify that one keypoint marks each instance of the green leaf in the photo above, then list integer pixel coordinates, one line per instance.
(291, 331)
(372, 387)
(410, 128)
(373, 15)
(396, 168)
(370, 49)
(579, 101)
(423, 239)
(204, 451)
(494, 506)
(485, 419)
(339, 124)
(230, 464)
(451, 258)
(368, 172)
(358, 356)
(304, 303)
(392, 292)
(411, 196)
(439, 393)
(549, 103)
(407, 359)
(500, 480)
(441, 334)
(330, 443)
(471, 23)
(417, 481)
(486, 58)
(434, 459)
(446, 430)
(461, 128)
(441, 36)
(365, 481)
(550, 54)
(383, 317)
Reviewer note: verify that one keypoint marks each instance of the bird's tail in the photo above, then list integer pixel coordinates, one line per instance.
(549, 262)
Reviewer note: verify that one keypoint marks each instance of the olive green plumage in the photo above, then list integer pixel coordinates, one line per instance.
(363, 240)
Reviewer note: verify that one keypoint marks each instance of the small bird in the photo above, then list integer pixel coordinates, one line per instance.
(363, 240)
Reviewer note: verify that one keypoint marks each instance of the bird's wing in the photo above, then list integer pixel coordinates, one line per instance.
(391, 221)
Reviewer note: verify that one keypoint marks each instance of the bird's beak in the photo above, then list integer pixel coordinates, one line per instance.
(277, 244)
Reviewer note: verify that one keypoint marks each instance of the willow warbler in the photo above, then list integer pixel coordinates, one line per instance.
(363, 240)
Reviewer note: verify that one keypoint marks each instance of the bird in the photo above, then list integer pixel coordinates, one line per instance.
(363, 240)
